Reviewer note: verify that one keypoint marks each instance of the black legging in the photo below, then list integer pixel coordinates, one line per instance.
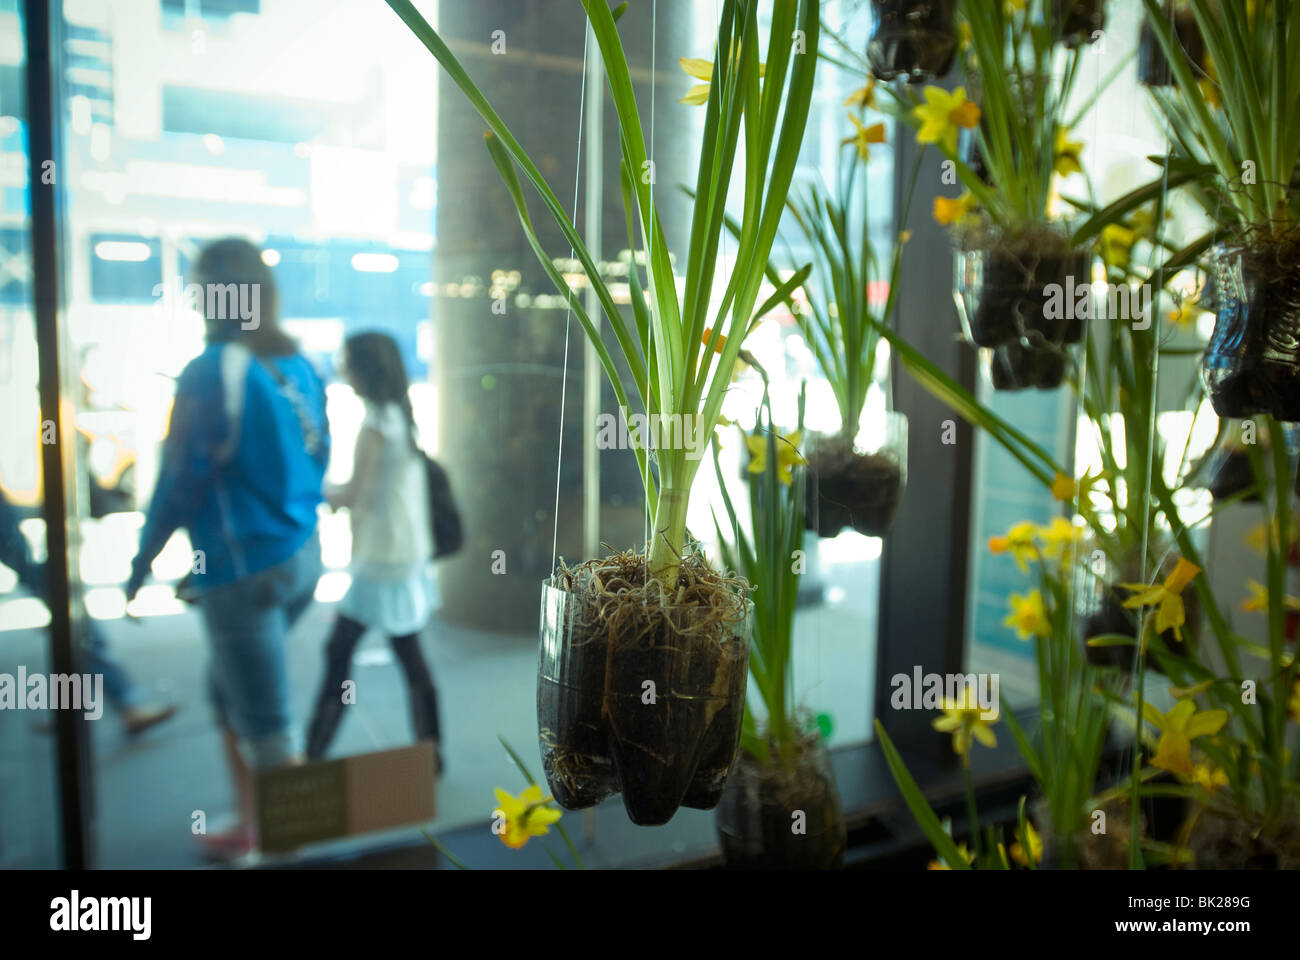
(421, 693)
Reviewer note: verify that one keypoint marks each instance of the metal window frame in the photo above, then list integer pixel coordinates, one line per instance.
(926, 555)
(42, 24)
(924, 577)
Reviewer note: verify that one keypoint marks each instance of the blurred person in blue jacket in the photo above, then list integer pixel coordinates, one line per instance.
(120, 690)
(242, 472)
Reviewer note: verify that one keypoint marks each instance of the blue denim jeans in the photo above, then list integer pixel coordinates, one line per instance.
(119, 690)
(248, 624)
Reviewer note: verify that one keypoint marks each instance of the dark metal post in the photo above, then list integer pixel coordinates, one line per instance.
(42, 20)
(923, 579)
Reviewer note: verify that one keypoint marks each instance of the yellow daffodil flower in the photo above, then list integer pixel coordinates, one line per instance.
(1166, 597)
(942, 114)
(1257, 602)
(1028, 617)
(1064, 488)
(1178, 728)
(864, 136)
(722, 340)
(940, 865)
(701, 70)
(1117, 245)
(1058, 537)
(1257, 538)
(1209, 83)
(1035, 847)
(787, 454)
(1209, 777)
(951, 211)
(967, 721)
(528, 815)
(863, 97)
(1067, 154)
(1019, 542)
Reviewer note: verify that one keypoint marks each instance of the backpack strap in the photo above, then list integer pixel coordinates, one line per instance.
(235, 360)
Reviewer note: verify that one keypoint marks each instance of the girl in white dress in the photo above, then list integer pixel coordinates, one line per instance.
(392, 543)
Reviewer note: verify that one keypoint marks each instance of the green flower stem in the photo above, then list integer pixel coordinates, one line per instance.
(669, 535)
(971, 813)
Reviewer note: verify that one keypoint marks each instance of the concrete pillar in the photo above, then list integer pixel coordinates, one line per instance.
(499, 376)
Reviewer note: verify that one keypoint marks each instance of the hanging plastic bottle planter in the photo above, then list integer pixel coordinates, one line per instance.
(643, 656)
(1019, 365)
(762, 803)
(638, 693)
(857, 483)
(1021, 289)
(1252, 363)
(1080, 21)
(914, 39)
(1153, 65)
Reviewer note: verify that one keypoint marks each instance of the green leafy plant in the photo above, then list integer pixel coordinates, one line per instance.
(1022, 79)
(990, 853)
(768, 556)
(839, 322)
(681, 350)
(518, 819)
(1252, 144)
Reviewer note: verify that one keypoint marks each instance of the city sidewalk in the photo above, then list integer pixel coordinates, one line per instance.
(149, 788)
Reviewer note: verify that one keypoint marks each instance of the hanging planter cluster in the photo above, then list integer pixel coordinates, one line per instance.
(856, 473)
(1004, 138)
(1234, 119)
(642, 656)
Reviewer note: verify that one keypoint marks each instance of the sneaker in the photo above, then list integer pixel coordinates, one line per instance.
(228, 845)
(139, 719)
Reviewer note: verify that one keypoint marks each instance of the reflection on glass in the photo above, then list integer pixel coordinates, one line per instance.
(314, 134)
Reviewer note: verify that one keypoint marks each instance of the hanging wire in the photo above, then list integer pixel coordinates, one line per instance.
(654, 66)
(1139, 660)
(568, 307)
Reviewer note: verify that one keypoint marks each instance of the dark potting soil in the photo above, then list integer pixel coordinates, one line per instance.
(1224, 843)
(916, 39)
(1009, 300)
(757, 819)
(848, 489)
(682, 745)
(1234, 475)
(1018, 366)
(650, 708)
